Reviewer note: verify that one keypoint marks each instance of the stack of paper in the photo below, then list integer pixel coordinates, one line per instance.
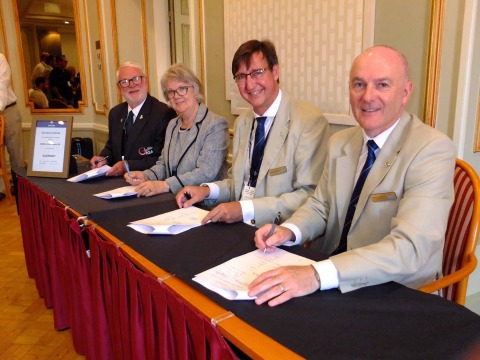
(231, 279)
(90, 174)
(171, 223)
(117, 193)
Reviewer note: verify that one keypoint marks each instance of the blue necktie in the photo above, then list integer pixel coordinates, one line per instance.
(258, 149)
(356, 194)
(129, 122)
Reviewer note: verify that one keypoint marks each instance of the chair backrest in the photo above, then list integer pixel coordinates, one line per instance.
(462, 229)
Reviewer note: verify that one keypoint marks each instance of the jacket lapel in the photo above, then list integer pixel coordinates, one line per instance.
(276, 138)
(384, 162)
(243, 137)
(346, 166)
(140, 122)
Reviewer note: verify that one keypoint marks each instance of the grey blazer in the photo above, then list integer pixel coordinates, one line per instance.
(203, 155)
(398, 230)
(292, 163)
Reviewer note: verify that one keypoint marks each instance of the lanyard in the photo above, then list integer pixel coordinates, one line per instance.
(173, 169)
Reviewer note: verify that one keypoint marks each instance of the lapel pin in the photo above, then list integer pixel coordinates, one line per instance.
(387, 163)
(141, 117)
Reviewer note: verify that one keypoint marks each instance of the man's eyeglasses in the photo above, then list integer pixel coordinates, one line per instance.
(181, 91)
(255, 75)
(126, 82)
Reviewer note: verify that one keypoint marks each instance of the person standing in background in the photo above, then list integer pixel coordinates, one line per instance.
(13, 121)
(39, 69)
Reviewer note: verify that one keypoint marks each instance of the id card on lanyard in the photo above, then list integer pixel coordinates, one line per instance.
(248, 192)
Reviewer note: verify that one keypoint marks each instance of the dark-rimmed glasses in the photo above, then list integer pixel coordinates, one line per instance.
(181, 91)
(126, 82)
(255, 75)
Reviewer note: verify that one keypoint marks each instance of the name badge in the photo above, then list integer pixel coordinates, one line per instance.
(389, 196)
(248, 193)
(278, 171)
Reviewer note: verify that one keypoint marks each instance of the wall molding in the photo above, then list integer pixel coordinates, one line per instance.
(316, 42)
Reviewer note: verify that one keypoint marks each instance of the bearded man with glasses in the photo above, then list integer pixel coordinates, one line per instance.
(136, 127)
(279, 147)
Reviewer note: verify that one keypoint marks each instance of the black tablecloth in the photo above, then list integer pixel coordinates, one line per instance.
(385, 321)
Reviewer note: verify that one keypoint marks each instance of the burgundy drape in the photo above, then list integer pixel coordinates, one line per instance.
(36, 220)
(114, 310)
(146, 319)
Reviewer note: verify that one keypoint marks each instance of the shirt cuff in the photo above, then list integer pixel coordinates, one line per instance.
(328, 274)
(214, 191)
(248, 211)
(296, 232)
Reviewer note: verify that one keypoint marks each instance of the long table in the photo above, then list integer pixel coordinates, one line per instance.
(385, 321)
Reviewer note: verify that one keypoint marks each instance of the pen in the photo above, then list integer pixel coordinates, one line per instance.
(101, 159)
(275, 222)
(187, 195)
(126, 166)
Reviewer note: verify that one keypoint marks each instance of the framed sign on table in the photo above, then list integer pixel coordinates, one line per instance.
(50, 145)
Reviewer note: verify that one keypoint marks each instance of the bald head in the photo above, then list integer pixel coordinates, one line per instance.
(379, 88)
(388, 53)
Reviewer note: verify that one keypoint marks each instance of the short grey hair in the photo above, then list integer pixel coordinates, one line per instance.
(130, 64)
(181, 72)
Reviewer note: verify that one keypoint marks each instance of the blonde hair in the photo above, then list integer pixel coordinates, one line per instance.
(181, 72)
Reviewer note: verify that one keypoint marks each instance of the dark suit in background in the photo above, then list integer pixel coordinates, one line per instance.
(146, 138)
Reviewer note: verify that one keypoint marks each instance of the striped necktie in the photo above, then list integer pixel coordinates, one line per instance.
(355, 195)
(258, 149)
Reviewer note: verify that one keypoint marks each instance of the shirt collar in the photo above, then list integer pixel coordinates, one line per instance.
(381, 138)
(273, 109)
(136, 110)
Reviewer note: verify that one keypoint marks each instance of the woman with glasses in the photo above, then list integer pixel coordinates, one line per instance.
(196, 142)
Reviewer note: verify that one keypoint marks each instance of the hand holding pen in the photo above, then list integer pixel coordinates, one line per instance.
(126, 167)
(97, 160)
(275, 222)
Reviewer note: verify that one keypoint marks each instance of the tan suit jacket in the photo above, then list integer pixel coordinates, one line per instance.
(292, 163)
(398, 230)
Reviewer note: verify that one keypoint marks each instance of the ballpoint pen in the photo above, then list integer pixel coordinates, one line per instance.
(275, 222)
(101, 159)
(126, 166)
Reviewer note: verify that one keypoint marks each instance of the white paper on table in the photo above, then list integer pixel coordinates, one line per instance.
(231, 279)
(90, 174)
(118, 192)
(170, 223)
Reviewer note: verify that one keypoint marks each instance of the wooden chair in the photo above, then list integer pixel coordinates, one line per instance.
(3, 162)
(461, 237)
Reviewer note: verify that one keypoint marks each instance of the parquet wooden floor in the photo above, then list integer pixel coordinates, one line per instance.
(26, 325)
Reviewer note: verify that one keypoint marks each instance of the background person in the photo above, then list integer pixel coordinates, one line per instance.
(396, 230)
(279, 147)
(13, 122)
(140, 136)
(60, 86)
(39, 69)
(38, 95)
(196, 142)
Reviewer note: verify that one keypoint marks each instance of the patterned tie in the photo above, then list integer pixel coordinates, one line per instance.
(258, 149)
(129, 122)
(355, 195)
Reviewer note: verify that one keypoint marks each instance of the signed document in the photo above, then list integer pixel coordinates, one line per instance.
(118, 192)
(231, 278)
(90, 174)
(171, 223)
